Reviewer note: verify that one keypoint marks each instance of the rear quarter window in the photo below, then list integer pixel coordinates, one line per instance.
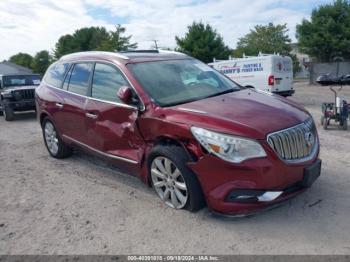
(55, 74)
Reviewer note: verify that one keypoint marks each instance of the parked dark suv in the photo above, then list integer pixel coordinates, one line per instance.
(183, 128)
(17, 94)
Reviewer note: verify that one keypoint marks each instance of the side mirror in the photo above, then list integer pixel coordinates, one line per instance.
(125, 94)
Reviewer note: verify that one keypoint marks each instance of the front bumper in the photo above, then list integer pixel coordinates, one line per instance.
(22, 105)
(251, 186)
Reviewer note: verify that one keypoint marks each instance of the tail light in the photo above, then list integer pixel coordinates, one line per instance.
(271, 80)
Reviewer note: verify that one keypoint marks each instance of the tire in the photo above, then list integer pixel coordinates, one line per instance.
(345, 124)
(54, 144)
(322, 120)
(8, 113)
(178, 158)
(325, 124)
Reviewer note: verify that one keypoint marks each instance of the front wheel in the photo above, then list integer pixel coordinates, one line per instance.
(53, 142)
(8, 113)
(175, 184)
(322, 120)
(345, 124)
(325, 123)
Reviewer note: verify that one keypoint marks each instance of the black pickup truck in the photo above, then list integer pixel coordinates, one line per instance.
(17, 93)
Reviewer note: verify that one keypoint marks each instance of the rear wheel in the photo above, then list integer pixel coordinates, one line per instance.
(53, 142)
(8, 113)
(175, 184)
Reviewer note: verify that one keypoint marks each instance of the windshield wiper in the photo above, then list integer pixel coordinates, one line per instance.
(221, 93)
(199, 98)
(182, 102)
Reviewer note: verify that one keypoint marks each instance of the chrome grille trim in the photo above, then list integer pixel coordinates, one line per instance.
(295, 144)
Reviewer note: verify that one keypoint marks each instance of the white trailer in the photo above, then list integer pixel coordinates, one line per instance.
(270, 73)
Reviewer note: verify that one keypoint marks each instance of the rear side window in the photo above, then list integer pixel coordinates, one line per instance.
(79, 79)
(106, 82)
(55, 74)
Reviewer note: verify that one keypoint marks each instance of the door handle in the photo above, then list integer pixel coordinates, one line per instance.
(59, 105)
(90, 115)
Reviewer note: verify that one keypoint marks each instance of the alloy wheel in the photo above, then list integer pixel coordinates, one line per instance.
(169, 182)
(51, 138)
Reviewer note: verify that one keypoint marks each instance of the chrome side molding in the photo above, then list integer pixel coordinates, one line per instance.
(100, 152)
(192, 110)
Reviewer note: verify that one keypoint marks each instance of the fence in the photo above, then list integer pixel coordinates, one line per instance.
(317, 69)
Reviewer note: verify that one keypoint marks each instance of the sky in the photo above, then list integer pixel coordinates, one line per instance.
(33, 25)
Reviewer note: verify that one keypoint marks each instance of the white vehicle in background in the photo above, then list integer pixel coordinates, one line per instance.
(270, 73)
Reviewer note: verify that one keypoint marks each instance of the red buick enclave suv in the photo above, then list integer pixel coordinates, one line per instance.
(185, 129)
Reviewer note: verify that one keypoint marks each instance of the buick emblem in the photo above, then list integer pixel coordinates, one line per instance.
(309, 139)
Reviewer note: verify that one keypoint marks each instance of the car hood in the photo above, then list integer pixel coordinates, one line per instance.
(246, 113)
(13, 88)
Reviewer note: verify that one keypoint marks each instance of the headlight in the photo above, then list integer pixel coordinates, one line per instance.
(7, 95)
(230, 148)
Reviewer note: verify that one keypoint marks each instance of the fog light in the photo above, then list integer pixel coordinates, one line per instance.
(250, 196)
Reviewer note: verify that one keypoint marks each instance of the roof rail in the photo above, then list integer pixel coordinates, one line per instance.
(94, 52)
(219, 60)
(140, 51)
(260, 54)
(153, 51)
(156, 51)
(170, 52)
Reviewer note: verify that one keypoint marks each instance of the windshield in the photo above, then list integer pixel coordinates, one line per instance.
(174, 82)
(21, 80)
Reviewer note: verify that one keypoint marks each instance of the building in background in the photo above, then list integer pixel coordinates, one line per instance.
(8, 68)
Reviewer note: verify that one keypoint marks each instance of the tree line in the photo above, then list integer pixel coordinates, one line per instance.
(325, 37)
(84, 39)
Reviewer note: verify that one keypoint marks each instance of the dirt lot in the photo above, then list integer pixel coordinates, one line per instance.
(83, 206)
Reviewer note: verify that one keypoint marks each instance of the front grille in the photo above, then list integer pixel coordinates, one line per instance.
(295, 143)
(27, 94)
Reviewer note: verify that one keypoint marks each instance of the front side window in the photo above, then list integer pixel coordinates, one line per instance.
(106, 82)
(176, 82)
(55, 74)
(79, 79)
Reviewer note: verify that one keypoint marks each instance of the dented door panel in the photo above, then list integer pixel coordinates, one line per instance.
(114, 130)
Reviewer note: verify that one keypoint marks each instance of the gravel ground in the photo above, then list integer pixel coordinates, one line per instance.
(81, 205)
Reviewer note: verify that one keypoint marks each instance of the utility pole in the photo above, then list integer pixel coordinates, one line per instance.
(155, 44)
